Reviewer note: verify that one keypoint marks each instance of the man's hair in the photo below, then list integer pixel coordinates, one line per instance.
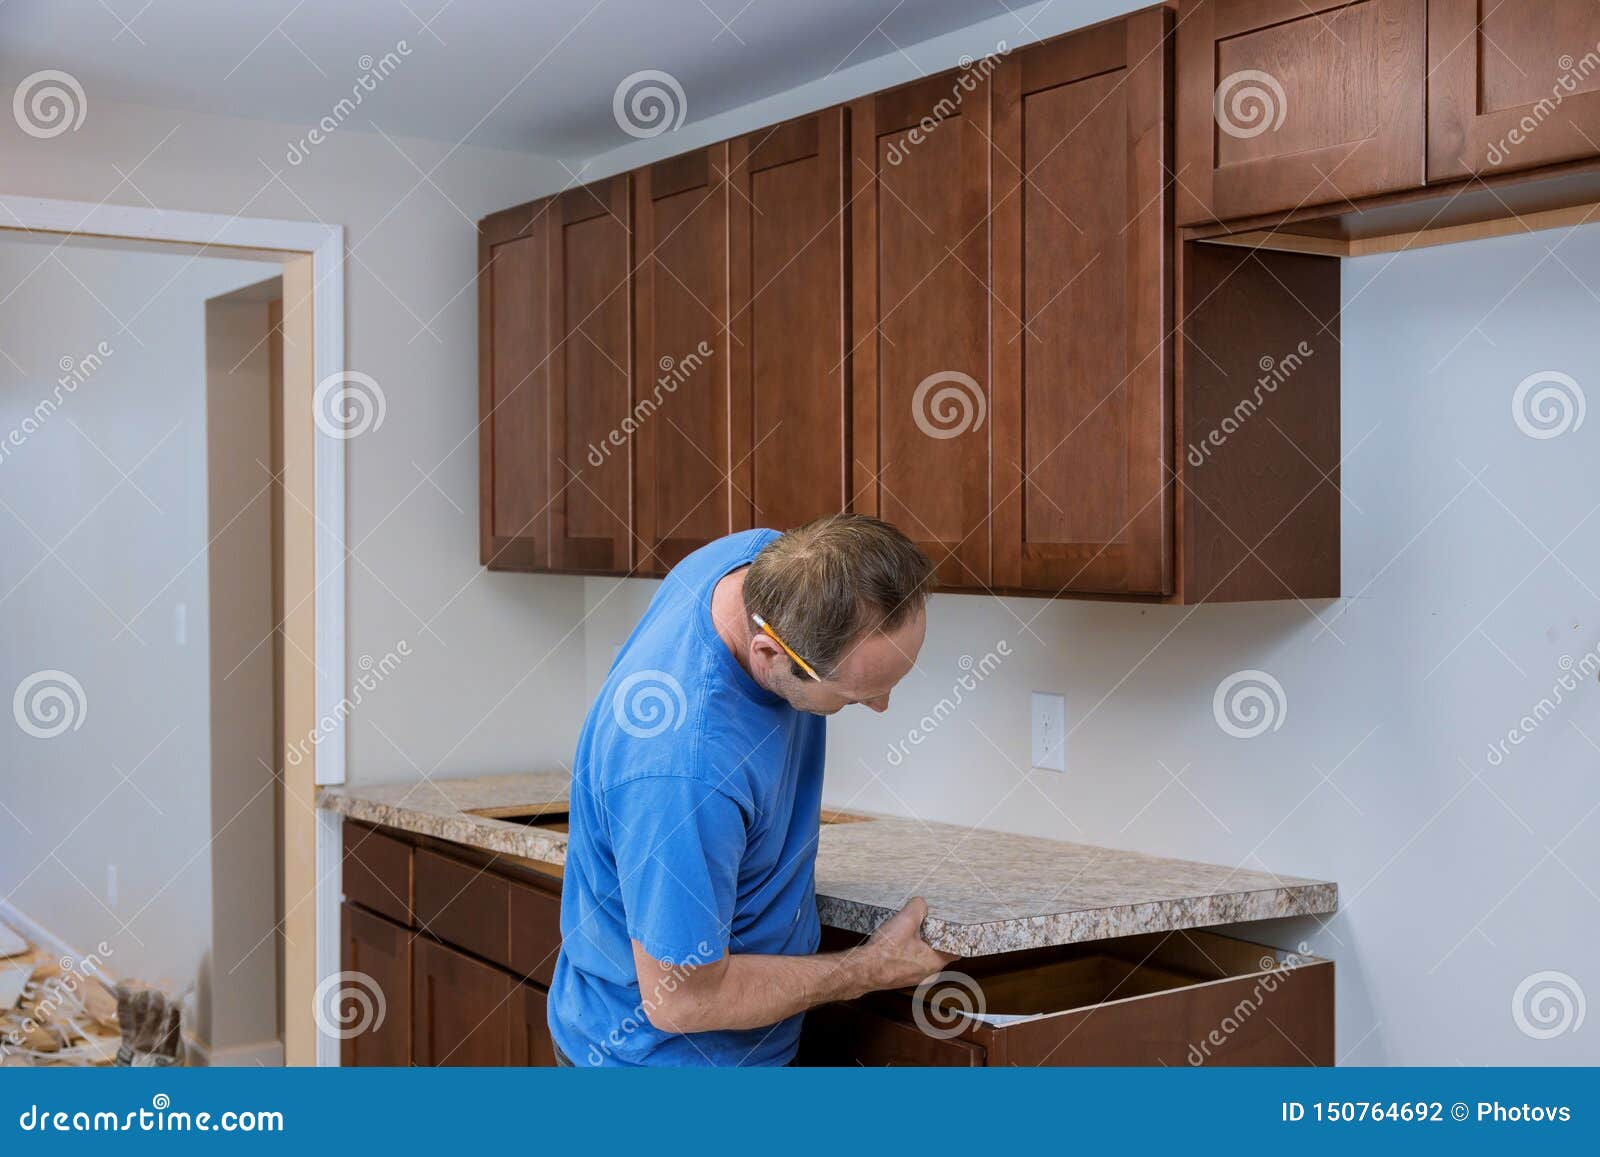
(824, 585)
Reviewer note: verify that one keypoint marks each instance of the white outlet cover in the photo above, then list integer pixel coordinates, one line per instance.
(1049, 731)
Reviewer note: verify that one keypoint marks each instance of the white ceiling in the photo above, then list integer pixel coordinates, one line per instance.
(533, 75)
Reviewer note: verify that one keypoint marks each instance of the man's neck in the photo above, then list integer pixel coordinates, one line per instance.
(729, 620)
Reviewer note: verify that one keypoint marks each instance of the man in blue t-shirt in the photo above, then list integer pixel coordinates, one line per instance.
(689, 924)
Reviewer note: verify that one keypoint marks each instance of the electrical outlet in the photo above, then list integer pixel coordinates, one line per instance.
(1049, 731)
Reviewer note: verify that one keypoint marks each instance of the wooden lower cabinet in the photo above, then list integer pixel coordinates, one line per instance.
(531, 1045)
(1176, 999)
(459, 1011)
(380, 951)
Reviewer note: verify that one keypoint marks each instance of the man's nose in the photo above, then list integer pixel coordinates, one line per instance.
(880, 705)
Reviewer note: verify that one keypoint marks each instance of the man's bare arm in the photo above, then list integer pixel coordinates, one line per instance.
(747, 991)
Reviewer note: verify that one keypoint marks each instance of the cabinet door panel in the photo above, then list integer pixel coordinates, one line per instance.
(459, 1009)
(920, 302)
(381, 950)
(1082, 292)
(681, 488)
(590, 320)
(531, 1045)
(514, 349)
(1284, 103)
(789, 391)
(1511, 86)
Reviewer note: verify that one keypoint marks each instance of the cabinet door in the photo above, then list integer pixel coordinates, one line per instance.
(1283, 103)
(458, 1009)
(680, 413)
(380, 1006)
(920, 310)
(531, 1046)
(786, 278)
(1511, 86)
(514, 389)
(590, 389)
(1082, 375)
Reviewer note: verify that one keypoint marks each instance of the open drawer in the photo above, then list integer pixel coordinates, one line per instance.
(1170, 998)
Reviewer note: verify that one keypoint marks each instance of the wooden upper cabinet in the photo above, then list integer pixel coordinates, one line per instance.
(590, 377)
(920, 311)
(513, 388)
(1512, 85)
(787, 292)
(1082, 289)
(1285, 103)
(682, 496)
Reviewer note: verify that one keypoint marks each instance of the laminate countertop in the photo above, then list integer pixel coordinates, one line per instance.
(987, 891)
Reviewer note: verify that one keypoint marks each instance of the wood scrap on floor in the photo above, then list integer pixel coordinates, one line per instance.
(51, 1012)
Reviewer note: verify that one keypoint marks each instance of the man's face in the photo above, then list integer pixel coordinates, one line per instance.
(869, 670)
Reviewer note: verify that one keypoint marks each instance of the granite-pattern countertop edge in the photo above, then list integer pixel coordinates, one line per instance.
(444, 819)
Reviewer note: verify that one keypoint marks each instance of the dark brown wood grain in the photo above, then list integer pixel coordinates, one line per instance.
(1344, 112)
(682, 493)
(1509, 85)
(460, 1009)
(535, 930)
(513, 388)
(590, 377)
(1260, 448)
(920, 297)
(1082, 318)
(789, 358)
(380, 950)
(531, 1046)
(463, 903)
(377, 871)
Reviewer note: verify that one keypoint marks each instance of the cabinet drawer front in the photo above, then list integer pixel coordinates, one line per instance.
(375, 1011)
(1283, 103)
(1515, 88)
(377, 872)
(460, 1009)
(535, 932)
(463, 905)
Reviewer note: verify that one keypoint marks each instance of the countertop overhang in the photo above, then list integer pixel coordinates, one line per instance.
(987, 891)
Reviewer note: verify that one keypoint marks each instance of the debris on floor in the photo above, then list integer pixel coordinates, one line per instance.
(53, 1011)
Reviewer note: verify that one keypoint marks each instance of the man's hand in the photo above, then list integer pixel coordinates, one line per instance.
(900, 956)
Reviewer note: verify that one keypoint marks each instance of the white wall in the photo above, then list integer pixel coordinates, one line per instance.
(1459, 878)
(487, 685)
(85, 552)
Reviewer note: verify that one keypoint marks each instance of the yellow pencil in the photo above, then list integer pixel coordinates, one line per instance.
(773, 635)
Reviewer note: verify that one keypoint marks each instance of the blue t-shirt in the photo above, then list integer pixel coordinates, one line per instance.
(695, 801)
